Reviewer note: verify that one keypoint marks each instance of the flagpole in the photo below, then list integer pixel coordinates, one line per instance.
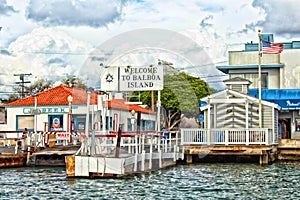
(259, 80)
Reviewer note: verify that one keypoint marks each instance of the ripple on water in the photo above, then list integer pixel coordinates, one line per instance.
(196, 181)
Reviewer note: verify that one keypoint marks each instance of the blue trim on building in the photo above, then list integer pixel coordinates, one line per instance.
(270, 38)
(225, 68)
(287, 99)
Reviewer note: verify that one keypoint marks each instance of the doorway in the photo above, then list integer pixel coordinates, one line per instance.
(284, 128)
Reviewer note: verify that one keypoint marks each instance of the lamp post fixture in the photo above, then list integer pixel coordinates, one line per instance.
(132, 119)
(70, 100)
(35, 113)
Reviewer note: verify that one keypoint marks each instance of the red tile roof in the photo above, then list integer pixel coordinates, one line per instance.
(59, 96)
(121, 104)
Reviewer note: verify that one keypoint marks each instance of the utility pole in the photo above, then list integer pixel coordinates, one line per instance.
(22, 82)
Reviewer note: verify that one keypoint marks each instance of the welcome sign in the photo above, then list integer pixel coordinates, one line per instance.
(131, 78)
(141, 78)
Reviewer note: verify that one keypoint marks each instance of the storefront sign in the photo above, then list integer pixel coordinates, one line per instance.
(62, 136)
(45, 110)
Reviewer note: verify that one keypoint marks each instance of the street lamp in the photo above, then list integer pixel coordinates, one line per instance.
(35, 112)
(132, 119)
(70, 99)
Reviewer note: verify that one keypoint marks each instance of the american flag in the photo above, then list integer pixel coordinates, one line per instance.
(271, 48)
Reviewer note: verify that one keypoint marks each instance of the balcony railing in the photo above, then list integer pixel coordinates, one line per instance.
(238, 136)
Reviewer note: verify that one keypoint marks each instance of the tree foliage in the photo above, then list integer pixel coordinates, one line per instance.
(180, 97)
(41, 85)
(38, 86)
(75, 82)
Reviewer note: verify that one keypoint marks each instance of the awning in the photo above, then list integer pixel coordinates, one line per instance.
(287, 99)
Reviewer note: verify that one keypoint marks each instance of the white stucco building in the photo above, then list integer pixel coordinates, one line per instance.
(64, 108)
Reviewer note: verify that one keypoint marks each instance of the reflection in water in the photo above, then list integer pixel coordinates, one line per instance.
(196, 181)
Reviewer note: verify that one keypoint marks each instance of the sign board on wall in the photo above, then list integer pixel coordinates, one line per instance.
(132, 78)
(45, 110)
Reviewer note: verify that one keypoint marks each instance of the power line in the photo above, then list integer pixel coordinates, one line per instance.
(22, 82)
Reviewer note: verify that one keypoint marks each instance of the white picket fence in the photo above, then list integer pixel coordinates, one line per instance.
(238, 136)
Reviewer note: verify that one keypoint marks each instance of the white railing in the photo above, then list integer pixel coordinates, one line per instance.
(130, 143)
(38, 139)
(251, 136)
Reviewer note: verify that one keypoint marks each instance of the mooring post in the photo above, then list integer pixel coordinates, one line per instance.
(143, 161)
(129, 145)
(117, 154)
(28, 155)
(159, 158)
(264, 158)
(151, 151)
(189, 159)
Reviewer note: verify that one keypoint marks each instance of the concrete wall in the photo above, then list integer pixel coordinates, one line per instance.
(287, 77)
(291, 72)
(274, 80)
(251, 58)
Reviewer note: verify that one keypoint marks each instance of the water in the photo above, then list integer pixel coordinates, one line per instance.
(196, 181)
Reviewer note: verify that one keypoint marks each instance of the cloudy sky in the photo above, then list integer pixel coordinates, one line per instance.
(53, 39)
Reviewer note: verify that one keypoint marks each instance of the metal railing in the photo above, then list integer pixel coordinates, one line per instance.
(238, 136)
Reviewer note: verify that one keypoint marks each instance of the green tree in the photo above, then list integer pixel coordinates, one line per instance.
(180, 97)
(75, 82)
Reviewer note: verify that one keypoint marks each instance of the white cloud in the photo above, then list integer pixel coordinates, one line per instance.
(6, 9)
(281, 17)
(93, 13)
(13, 23)
(33, 27)
(46, 53)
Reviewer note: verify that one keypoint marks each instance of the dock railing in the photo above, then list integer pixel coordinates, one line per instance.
(131, 143)
(22, 141)
(238, 136)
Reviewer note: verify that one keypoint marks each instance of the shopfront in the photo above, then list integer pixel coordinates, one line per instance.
(289, 114)
(52, 110)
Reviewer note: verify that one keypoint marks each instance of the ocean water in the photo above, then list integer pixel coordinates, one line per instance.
(194, 181)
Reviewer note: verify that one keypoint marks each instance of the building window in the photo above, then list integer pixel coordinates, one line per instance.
(131, 124)
(56, 122)
(148, 125)
(253, 77)
(110, 121)
(25, 121)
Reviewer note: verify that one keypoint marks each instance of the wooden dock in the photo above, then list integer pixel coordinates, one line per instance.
(289, 149)
(12, 152)
(109, 155)
(256, 145)
(233, 153)
(12, 160)
(35, 149)
(118, 155)
(52, 156)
